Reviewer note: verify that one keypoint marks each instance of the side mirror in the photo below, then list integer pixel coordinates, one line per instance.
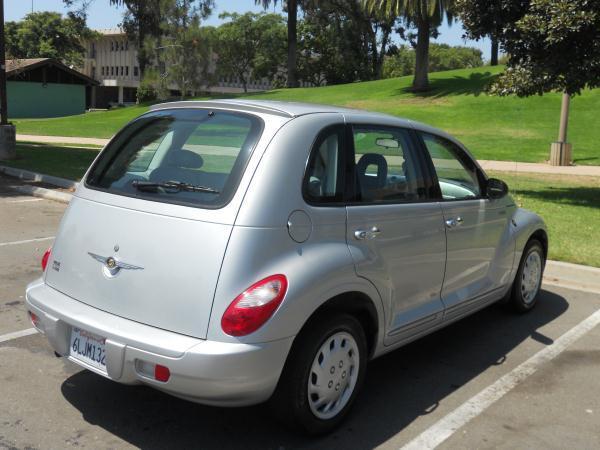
(496, 189)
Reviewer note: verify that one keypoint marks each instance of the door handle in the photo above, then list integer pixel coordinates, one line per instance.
(367, 234)
(454, 222)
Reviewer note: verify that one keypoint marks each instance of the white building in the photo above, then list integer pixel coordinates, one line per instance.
(112, 60)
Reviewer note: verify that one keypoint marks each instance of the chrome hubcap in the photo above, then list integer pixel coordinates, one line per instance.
(532, 277)
(333, 375)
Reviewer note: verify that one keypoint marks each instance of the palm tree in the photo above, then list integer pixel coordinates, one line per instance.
(426, 15)
(292, 12)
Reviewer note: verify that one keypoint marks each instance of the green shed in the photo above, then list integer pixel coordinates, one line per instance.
(45, 88)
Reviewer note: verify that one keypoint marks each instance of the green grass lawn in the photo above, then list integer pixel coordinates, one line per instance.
(493, 128)
(569, 205)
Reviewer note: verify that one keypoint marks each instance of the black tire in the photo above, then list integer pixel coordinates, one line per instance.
(518, 300)
(290, 402)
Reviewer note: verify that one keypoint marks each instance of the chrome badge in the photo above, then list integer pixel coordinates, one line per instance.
(112, 266)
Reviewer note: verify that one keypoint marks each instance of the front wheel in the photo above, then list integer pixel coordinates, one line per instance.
(528, 281)
(323, 375)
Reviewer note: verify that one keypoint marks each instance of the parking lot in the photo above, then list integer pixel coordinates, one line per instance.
(494, 380)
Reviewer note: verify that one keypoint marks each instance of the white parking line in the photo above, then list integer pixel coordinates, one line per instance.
(448, 425)
(3, 244)
(25, 200)
(17, 334)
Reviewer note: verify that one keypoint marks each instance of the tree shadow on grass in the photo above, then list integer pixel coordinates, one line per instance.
(475, 84)
(576, 196)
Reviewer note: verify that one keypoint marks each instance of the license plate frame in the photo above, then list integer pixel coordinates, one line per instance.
(88, 348)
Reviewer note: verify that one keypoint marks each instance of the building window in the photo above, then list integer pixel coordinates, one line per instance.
(122, 45)
(136, 71)
(126, 71)
(112, 46)
(112, 70)
(126, 45)
(122, 71)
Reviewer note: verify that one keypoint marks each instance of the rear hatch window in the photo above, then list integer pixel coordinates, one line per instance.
(184, 156)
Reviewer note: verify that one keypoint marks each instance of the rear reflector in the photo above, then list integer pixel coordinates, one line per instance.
(35, 320)
(161, 373)
(153, 371)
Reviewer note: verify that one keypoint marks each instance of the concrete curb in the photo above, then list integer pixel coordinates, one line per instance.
(48, 194)
(27, 175)
(572, 276)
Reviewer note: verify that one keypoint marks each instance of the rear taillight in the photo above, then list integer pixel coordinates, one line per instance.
(251, 309)
(35, 320)
(46, 258)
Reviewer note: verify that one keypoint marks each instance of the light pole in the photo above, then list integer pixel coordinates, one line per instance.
(7, 131)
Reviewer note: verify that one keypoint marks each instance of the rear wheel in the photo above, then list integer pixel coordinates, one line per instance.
(323, 375)
(526, 287)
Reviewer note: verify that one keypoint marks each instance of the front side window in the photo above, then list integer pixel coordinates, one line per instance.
(456, 174)
(386, 170)
(183, 156)
(323, 179)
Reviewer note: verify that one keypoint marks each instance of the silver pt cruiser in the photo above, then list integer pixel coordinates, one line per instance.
(233, 252)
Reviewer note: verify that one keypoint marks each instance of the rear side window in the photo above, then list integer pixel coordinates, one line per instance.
(323, 181)
(183, 156)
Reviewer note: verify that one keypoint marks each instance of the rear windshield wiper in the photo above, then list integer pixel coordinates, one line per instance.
(171, 186)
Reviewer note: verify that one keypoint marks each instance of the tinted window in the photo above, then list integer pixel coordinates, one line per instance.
(386, 169)
(324, 173)
(199, 148)
(456, 173)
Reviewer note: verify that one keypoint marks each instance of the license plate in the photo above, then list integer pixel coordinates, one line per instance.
(89, 348)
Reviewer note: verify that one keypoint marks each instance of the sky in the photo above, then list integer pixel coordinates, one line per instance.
(102, 16)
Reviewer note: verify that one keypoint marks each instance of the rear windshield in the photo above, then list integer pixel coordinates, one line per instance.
(184, 156)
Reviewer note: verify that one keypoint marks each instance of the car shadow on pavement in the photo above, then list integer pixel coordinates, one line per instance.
(400, 387)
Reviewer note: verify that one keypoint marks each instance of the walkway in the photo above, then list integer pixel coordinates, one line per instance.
(500, 166)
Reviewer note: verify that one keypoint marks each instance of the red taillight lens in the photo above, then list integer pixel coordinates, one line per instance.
(46, 258)
(161, 373)
(251, 309)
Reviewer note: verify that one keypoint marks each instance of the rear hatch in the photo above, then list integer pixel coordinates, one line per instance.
(130, 257)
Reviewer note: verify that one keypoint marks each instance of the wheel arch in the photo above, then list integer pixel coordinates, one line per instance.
(357, 304)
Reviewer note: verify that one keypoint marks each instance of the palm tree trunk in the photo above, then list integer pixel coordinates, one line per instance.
(421, 80)
(495, 50)
(292, 78)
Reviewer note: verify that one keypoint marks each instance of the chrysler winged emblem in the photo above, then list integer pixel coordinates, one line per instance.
(112, 266)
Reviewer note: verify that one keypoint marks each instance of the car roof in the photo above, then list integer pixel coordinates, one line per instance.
(280, 108)
(296, 109)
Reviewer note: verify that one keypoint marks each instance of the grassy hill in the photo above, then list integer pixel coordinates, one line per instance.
(510, 129)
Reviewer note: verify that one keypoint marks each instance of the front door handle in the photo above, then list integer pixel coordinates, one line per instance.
(454, 222)
(367, 234)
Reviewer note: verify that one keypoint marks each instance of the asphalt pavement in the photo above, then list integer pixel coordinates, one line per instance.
(451, 389)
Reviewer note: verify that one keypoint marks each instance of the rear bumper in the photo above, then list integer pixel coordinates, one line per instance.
(209, 372)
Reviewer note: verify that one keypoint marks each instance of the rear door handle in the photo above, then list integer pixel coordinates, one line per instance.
(372, 233)
(454, 222)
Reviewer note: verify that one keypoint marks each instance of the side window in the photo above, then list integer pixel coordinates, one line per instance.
(456, 174)
(323, 179)
(386, 169)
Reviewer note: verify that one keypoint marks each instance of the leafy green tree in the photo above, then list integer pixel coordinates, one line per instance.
(142, 21)
(426, 16)
(291, 7)
(183, 49)
(48, 35)
(554, 45)
(340, 41)
(250, 45)
(487, 18)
